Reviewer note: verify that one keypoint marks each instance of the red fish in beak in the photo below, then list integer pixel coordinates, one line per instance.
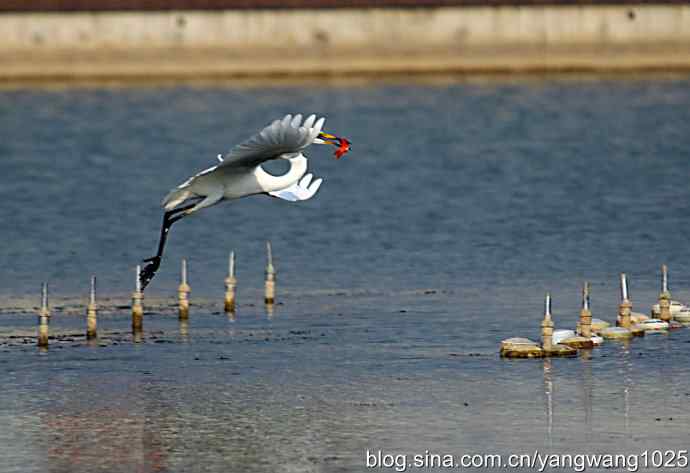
(343, 144)
(343, 148)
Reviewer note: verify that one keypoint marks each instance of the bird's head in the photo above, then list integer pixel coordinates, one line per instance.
(342, 144)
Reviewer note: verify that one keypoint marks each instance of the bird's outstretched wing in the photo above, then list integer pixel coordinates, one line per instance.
(305, 189)
(289, 135)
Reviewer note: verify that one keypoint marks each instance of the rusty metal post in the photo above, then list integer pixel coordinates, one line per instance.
(183, 293)
(137, 306)
(664, 296)
(91, 325)
(230, 284)
(585, 322)
(44, 316)
(547, 326)
(625, 307)
(270, 288)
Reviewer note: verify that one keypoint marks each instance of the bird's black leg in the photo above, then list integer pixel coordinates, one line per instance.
(169, 217)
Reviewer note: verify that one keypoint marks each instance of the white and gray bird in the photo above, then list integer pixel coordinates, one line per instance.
(239, 174)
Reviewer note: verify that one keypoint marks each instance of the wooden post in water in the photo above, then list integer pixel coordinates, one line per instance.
(183, 293)
(625, 307)
(91, 326)
(43, 317)
(664, 296)
(137, 307)
(547, 326)
(270, 292)
(230, 283)
(585, 323)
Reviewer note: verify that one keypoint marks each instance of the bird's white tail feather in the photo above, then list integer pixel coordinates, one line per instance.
(175, 197)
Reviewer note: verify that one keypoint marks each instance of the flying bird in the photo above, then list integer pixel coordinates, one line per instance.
(239, 174)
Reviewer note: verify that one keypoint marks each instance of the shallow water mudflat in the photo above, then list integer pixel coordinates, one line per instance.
(435, 238)
(320, 382)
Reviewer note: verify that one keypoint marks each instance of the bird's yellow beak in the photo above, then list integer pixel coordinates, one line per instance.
(329, 138)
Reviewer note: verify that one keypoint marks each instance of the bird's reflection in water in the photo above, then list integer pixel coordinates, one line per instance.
(548, 397)
(94, 438)
(232, 315)
(269, 311)
(137, 336)
(184, 331)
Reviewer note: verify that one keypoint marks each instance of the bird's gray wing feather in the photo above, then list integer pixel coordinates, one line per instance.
(289, 135)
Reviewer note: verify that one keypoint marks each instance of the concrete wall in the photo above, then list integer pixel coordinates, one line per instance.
(376, 29)
(296, 44)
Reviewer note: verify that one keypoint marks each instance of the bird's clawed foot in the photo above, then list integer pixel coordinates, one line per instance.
(149, 271)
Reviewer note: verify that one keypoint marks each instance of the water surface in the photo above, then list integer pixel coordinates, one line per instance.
(435, 238)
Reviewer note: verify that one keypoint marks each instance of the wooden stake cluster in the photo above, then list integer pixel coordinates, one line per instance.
(91, 325)
(514, 347)
(183, 293)
(590, 334)
(44, 315)
(137, 306)
(230, 284)
(270, 288)
(664, 296)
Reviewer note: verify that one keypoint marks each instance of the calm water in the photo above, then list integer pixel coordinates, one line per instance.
(488, 193)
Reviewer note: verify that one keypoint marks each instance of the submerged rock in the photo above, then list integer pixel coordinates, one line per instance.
(598, 325)
(561, 350)
(654, 325)
(616, 333)
(561, 334)
(578, 342)
(518, 347)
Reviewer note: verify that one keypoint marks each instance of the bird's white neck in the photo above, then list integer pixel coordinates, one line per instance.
(270, 183)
